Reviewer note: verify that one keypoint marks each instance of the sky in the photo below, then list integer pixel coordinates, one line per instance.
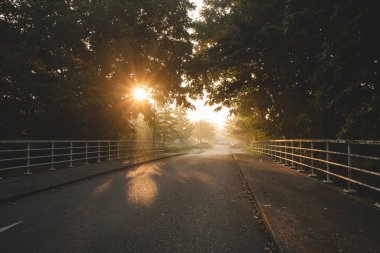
(198, 3)
(207, 113)
(203, 112)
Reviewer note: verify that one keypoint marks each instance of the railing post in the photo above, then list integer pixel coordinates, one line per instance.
(312, 174)
(349, 172)
(28, 172)
(71, 154)
(275, 151)
(86, 162)
(300, 168)
(264, 150)
(292, 147)
(328, 180)
(52, 157)
(118, 150)
(109, 151)
(98, 152)
(280, 150)
(257, 148)
(286, 162)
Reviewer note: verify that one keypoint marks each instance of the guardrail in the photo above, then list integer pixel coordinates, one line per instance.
(353, 162)
(28, 154)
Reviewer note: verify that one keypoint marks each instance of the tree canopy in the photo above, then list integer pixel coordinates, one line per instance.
(67, 67)
(286, 68)
(292, 68)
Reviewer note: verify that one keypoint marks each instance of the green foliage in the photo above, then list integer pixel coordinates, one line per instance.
(203, 130)
(292, 68)
(183, 126)
(172, 124)
(67, 68)
(177, 148)
(165, 124)
(244, 129)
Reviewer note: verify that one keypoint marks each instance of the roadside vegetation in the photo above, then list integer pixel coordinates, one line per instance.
(285, 68)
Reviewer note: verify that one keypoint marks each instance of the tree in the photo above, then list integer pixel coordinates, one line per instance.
(244, 129)
(183, 127)
(165, 124)
(203, 130)
(296, 68)
(68, 67)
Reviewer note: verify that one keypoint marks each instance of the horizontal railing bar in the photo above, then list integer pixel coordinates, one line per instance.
(76, 153)
(73, 141)
(327, 162)
(333, 174)
(13, 150)
(328, 152)
(328, 172)
(58, 148)
(13, 159)
(14, 167)
(364, 142)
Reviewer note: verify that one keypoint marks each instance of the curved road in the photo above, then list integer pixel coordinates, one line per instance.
(191, 203)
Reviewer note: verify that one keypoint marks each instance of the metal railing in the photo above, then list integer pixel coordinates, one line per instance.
(351, 162)
(29, 154)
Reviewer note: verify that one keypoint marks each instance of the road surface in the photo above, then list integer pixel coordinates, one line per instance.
(191, 203)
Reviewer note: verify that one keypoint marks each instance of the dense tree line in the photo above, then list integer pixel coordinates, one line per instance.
(67, 67)
(287, 68)
(292, 68)
(170, 124)
(204, 131)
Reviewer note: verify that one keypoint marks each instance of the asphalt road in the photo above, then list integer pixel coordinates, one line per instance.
(192, 203)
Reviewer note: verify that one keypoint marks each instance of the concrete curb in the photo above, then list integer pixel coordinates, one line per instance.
(269, 228)
(68, 182)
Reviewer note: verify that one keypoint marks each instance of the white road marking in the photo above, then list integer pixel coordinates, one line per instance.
(10, 226)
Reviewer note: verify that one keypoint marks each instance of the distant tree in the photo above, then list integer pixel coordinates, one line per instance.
(183, 127)
(244, 129)
(165, 124)
(203, 130)
(142, 129)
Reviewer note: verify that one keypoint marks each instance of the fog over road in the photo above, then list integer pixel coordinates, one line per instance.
(191, 203)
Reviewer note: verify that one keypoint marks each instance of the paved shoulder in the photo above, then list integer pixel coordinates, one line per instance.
(307, 216)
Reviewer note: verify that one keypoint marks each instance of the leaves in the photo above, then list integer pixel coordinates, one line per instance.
(293, 68)
(67, 67)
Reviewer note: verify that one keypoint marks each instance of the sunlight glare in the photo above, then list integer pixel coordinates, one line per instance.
(207, 113)
(142, 185)
(140, 93)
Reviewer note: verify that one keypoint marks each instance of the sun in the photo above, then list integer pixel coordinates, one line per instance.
(141, 94)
